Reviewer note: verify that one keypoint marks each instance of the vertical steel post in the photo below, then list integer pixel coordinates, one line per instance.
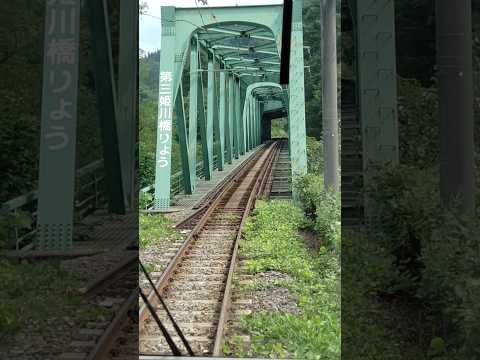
(166, 101)
(266, 127)
(246, 123)
(106, 101)
(454, 59)
(296, 121)
(208, 126)
(193, 111)
(183, 140)
(127, 95)
(258, 124)
(254, 123)
(230, 120)
(212, 114)
(58, 129)
(240, 123)
(377, 86)
(261, 122)
(329, 95)
(220, 127)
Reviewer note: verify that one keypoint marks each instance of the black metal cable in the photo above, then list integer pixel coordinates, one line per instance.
(165, 333)
(177, 328)
(204, 2)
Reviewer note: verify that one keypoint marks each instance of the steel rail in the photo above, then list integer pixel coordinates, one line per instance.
(163, 281)
(214, 193)
(105, 279)
(107, 339)
(267, 157)
(226, 301)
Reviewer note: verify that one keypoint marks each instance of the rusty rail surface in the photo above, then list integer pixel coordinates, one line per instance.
(119, 283)
(232, 202)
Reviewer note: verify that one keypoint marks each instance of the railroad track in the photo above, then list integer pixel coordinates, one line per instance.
(196, 285)
(117, 293)
(200, 208)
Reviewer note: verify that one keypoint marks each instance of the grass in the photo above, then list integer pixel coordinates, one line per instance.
(33, 292)
(271, 243)
(154, 228)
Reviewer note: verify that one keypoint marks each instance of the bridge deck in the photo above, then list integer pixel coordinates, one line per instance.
(183, 204)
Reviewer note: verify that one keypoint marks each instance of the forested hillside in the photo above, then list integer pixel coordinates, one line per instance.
(418, 296)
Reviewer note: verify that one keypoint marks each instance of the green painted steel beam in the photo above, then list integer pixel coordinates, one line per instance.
(229, 124)
(107, 102)
(184, 145)
(261, 127)
(236, 132)
(127, 96)
(255, 119)
(243, 49)
(220, 26)
(240, 136)
(266, 127)
(261, 91)
(166, 101)
(238, 33)
(377, 81)
(296, 91)
(220, 127)
(211, 114)
(58, 132)
(258, 123)
(264, 21)
(193, 112)
(246, 121)
(377, 85)
(254, 125)
(205, 125)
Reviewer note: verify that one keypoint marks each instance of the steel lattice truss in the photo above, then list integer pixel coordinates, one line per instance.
(237, 50)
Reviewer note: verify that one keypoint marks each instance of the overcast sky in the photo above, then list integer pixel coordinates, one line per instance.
(150, 26)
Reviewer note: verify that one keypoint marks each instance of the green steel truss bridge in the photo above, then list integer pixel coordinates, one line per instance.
(242, 48)
(229, 58)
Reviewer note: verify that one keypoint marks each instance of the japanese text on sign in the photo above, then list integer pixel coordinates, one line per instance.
(60, 67)
(164, 128)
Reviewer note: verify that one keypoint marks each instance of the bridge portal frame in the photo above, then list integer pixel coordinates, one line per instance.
(236, 127)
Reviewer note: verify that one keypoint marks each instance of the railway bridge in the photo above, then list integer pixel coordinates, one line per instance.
(229, 59)
(237, 68)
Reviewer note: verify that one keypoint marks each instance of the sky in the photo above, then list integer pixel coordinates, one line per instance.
(150, 26)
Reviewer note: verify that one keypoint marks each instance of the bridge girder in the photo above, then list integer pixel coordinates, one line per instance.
(242, 45)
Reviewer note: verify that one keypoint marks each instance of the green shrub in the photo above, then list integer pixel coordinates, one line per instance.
(146, 165)
(279, 128)
(436, 254)
(418, 123)
(370, 330)
(145, 199)
(406, 200)
(315, 157)
(322, 207)
(8, 222)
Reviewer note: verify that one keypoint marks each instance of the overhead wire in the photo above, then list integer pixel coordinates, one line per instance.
(177, 20)
(204, 2)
